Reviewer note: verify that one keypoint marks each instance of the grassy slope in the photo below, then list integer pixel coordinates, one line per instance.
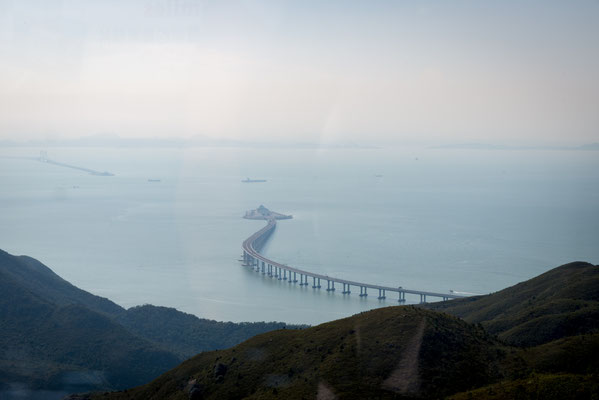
(186, 334)
(543, 386)
(575, 354)
(559, 303)
(43, 344)
(364, 356)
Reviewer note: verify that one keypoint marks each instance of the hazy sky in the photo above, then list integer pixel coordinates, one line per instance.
(320, 71)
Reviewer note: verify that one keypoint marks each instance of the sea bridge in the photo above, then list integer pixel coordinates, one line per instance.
(259, 263)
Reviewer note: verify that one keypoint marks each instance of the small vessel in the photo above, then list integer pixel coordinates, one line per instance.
(248, 180)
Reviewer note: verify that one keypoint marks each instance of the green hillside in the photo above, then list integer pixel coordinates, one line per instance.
(545, 387)
(411, 352)
(538, 339)
(44, 344)
(574, 354)
(56, 336)
(384, 353)
(186, 335)
(559, 303)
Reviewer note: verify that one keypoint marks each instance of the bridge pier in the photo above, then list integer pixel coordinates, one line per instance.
(285, 274)
(295, 277)
(422, 298)
(314, 286)
(363, 291)
(402, 297)
(263, 268)
(329, 287)
(381, 294)
(346, 291)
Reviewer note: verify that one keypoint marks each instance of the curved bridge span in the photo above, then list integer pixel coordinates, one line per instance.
(252, 258)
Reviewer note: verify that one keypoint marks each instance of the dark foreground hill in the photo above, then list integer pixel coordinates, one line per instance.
(411, 352)
(389, 352)
(559, 303)
(185, 334)
(54, 336)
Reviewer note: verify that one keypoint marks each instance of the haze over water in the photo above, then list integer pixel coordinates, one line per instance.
(435, 219)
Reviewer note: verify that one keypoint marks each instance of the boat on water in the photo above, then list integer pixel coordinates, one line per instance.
(248, 180)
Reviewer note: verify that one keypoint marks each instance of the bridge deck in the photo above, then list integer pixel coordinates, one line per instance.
(248, 248)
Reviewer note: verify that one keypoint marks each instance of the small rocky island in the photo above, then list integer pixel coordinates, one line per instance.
(264, 213)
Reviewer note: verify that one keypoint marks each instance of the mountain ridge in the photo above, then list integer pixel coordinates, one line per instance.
(560, 302)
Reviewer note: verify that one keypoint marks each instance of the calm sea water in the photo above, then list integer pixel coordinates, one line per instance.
(468, 220)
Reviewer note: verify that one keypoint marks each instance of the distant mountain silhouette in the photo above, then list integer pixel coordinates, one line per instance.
(30, 275)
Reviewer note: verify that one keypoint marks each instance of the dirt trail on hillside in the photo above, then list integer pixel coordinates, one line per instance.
(405, 379)
(325, 392)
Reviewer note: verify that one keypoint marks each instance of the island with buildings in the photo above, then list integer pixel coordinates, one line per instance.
(264, 213)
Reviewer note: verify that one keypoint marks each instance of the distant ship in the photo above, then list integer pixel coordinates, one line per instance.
(153, 180)
(248, 180)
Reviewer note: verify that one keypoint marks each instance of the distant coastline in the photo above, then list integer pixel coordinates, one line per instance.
(196, 141)
(485, 146)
